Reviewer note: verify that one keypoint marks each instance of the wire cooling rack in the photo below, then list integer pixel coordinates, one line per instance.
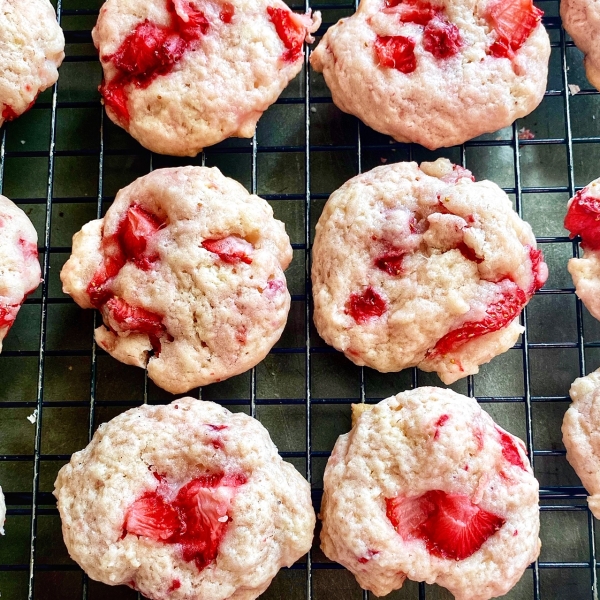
(64, 161)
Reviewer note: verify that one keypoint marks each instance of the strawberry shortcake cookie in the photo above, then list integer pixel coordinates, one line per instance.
(19, 266)
(436, 73)
(187, 270)
(427, 487)
(583, 219)
(31, 50)
(581, 435)
(581, 19)
(422, 267)
(180, 75)
(184, 501)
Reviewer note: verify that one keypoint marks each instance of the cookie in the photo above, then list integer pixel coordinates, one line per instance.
(31, 50)
(583, 219)
(580, 430)
(438, 73)
(581, 20)
(20, 272)
(180, 75)
(427, 487)
(184, 501)
(422, 267)
(187, 270)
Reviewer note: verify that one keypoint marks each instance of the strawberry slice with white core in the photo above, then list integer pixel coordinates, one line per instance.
(513, 21)
(451, 525)
(231, 249)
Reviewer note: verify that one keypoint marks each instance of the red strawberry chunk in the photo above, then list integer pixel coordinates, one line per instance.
(390, 262)
(196, 519)
(440, 423)
(539, 270)
(498, 315)
(8, 113)
(152, 517)
(583, 218)
(469, 253)
(366, 306)
(231, 249)
(407, 515)
(227, 12)
(150, 51)
(450, 524)
(457, 528)
(396, 52)
(441, 38)
(513, 21)
(134, 231)
(289, 30)
(510, 450)
(413, 11)
(135, 319)
(8, 314)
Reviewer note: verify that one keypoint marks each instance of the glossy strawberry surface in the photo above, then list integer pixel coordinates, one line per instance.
(451, 525)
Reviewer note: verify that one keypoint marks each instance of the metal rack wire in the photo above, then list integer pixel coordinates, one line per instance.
(33, 563)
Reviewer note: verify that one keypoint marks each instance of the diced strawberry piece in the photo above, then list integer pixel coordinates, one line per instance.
(583, 218)
(407, 515)
(441, 38)
(194, 28)
(8, 113)
(363, 560)
(539, 270)
(115, 98)
(196, 519)
(290, 32)
(152, 517)
(456, 528)
(227, 12)
(135, 229)
(175, 585)
(469, 253)
(397, 52)
(216, 427)
(509, 449)
(366, 306)
(231, 249)
(498, 315)
(513, 21)
(147, 49)
(8, 314)
(413, 11)
(391, 262)
(440, 423)
(450, 524)
(135, 319)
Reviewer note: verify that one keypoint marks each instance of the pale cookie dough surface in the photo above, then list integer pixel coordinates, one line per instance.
(581, 19)
(443, 101)
(462, 251)
(406, 446)
(270, 519)
(19, 267)
(31, 50)
(585, 271)
(211, 315)
(581, 435)
(223, 81)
